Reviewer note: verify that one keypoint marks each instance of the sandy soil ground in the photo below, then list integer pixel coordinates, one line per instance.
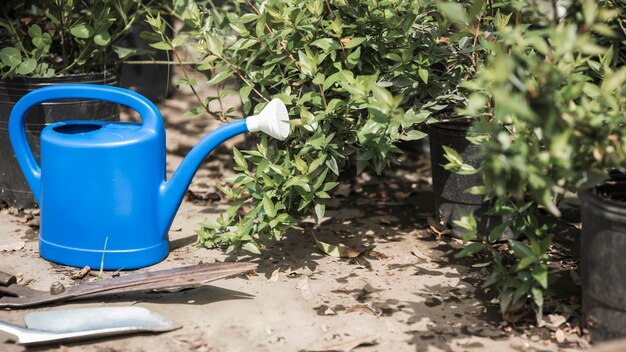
(409, 294)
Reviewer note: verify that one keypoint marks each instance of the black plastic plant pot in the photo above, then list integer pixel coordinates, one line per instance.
(151, 80)
(14, 191)
(449, 189)
(603, 260)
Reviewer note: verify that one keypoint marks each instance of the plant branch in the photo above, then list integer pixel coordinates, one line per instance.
(219, 94)
(332, 14)
(238, 73)
(280, 42)
(184, 71)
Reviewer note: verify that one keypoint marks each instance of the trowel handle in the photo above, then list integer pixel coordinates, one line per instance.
(150, 116)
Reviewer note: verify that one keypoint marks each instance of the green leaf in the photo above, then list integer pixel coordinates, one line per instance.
(320, 209)
(248, 17)
(34, 31)
(316, 163)
(268, 206)
(102, 38)
(323, 43)
(82, 31)
(219, 77)
(354, 42)
(413, 135)
(454, 12)
(251, 247)
(383, 95)
(43, 41)
(10, 56)
(332, 165)
(215, 45)
(537, 295)
(540, 274)
(27, 66)
(521, 250)
(307, 62)
(470, 249)
(423, 74)
(354, 57)
(239, 159)
(452, 155)
(161, 46)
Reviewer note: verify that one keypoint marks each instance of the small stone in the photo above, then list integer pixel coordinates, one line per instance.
(56, 288)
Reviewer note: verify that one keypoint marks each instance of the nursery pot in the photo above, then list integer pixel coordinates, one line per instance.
(14, 191)
(151, 80)
(450, 198)
(603, 260)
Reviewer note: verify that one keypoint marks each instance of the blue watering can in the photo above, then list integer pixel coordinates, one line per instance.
(101, 186)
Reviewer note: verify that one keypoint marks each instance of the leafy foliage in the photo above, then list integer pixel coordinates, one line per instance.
(359, 76)
(43, 38)
(557, 105)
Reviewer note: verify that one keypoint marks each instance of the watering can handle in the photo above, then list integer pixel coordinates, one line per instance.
(150, 116)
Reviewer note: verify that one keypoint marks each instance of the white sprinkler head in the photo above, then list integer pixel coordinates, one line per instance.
(273, 120)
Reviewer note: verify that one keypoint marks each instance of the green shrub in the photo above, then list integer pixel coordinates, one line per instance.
(357, 76)
(559, 107)
(44, 38)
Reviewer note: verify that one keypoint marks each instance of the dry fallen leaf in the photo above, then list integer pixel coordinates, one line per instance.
(274, 276)
(304, 288)
(437, 227)
(377, 255)
(349, 345)
(553, 321)
(559, 335)
(339, 251)
(361, 308)
(330, 311)
(14, 246)
(293, 274)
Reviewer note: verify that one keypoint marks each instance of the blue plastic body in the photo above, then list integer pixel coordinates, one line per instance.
(103, 183)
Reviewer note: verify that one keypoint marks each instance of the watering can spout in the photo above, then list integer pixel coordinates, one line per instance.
(273, 120)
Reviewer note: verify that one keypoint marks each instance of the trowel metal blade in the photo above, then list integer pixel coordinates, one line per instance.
(100, 318)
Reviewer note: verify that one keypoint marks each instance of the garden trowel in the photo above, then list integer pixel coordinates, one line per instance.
(86, 323)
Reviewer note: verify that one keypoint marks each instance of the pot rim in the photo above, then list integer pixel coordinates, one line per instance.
(591, 196)
(110, 73)
(457, 126)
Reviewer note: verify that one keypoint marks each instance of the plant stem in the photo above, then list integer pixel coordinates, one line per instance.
(332, 14)
(282, 45)
(323, 96)
(62, 34)
(219, 95)
(184, 71)
(238, 73)
(159, 62)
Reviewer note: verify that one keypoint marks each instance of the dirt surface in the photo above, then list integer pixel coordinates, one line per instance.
(406, 292)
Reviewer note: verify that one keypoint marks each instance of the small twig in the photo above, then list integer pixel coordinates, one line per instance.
(159, 62)
(282, 45)
(238, 73)
(476, 33)
(323, 96)
(219, 94)
(184, 71)
(329, 9)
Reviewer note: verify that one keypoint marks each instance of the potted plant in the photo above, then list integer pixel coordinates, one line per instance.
(356, 77)
(55, 42)
(558, 106)
(454, 143)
